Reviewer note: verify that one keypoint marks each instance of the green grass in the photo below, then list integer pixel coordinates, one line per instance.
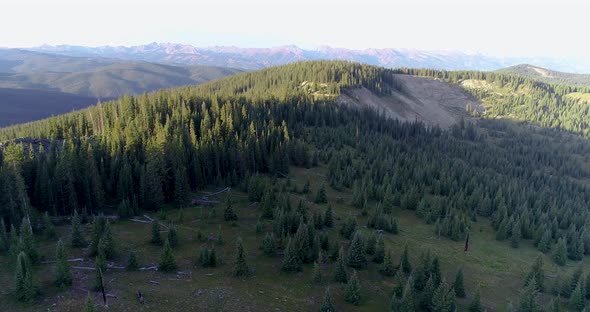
(494, 267)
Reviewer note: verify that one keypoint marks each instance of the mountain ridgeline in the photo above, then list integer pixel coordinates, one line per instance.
(154, 149)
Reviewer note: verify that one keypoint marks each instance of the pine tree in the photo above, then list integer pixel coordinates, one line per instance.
(577, 301)
(371, 243)
(387, 268)
(167, 261)
(291, 260)
(316, 273)
(109, 241)
(537, 274)
(427, 293)
(240, 265)
(77, 239)
(172, 236)
(405, 260)
(98, 227)
(379, 250)
(340, 274)
(4, 239)
(14, 246)
(560, 254)
(63, 276)
(443, 299)
(132, 263)
(407, 301)
(229, 214)
(48, 227)
(529, 298)
(545, 243)
(327, 305)
(356, 252)
(475, 305)
(27, 241)
(268, 245)
(458, 285)
(88, 304)
(328, 217)
(352, 293)
(321, 197)
(23, 279)
(156, 236)
(516, 235)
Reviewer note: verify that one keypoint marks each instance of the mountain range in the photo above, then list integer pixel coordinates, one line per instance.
(257, 58)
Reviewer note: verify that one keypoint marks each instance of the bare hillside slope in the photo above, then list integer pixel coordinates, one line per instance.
(430, 101)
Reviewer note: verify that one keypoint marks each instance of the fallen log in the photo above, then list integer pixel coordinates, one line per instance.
(84, 268)
(152, 268)
(155, 282)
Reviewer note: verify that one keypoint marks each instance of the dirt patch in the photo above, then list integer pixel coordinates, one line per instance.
(430, 101)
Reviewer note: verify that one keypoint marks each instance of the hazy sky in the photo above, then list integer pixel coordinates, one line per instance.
(497, 27)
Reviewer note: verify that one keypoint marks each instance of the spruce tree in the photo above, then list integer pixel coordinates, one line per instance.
(4, 239)
(529, 298)
(340, 274)
(475, 305)
(14, 246)
(443, 299)
(98, 227)
(27, 241)
(407, 302)
(156, 236)
(167, 261)
(291, 260)
(356, 252)
(229, 214)
(109, 241)
(427, 293)
(537, 274)
(405, 260)
(560, 254)
(132, 263)
(577, 301)
(327, 305)
(458, 285)
(379, 250)
(387, 268)
(172, 236)
(321, 197)
(88, 304)
(23, 279)
(329, 217)
(371, 243)
(516, 235)
(316, 273)
(48, 227)
(63, 275)
(77, 239)
(352, 292)
(268, 245)
(240, 265)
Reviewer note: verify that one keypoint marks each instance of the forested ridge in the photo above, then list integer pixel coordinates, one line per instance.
(138, 153)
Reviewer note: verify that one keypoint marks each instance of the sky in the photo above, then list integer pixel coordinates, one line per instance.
(498, 27)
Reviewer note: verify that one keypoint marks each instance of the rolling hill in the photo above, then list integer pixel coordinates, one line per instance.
(547, 75)
(82, 80)
(289, 189)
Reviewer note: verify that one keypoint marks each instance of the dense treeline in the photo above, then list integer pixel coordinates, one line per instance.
(523, 99)
(140, 152)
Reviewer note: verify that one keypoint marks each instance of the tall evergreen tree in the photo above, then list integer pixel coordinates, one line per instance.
(321, 197)
(577, 300)
(27, 241)
(327, 305)
(77, 238)
(356, 252)
(405, 260)
(23, 279)
(529, 298)
(241, 267)
(316, 273)
(132, 263)
(340, 274)
(291, 260)
(387, 268)
(329, 217)
(560, 254)
(458, 285)
(48, 227)
(379, 250)
(268, 245)
(475, 304)
(352, 293)
(229, 214)
(63, 275)
(536, 272)
(156, 236)
(167, 261)
(172, 236)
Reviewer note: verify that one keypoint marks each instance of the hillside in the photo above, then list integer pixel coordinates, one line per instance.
(257, 58)
(547, 75)
(73, 82)
(261, 191)
(24, 105)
